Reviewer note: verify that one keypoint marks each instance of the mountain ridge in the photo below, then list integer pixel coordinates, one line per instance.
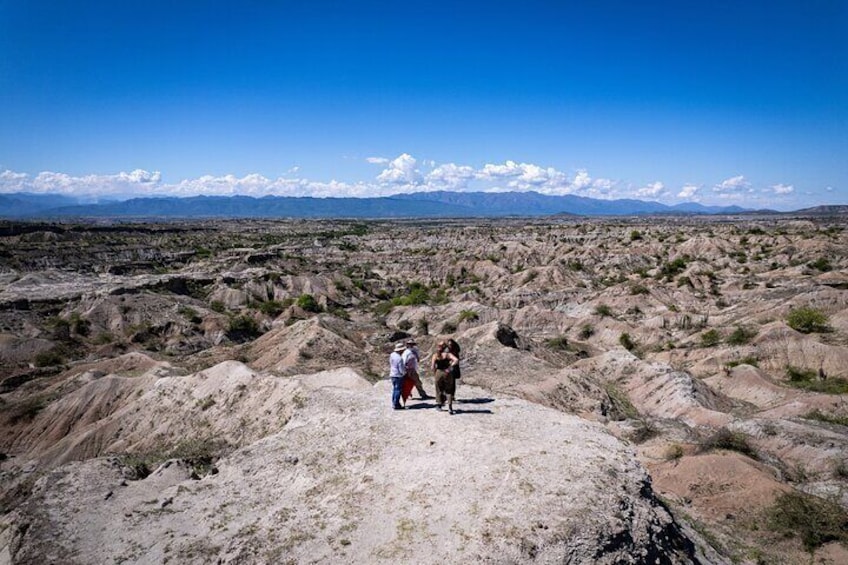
(413, 205)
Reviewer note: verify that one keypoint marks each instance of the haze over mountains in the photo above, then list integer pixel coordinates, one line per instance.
(421, 204)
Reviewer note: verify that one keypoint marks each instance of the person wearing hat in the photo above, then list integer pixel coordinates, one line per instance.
(410, 361)
(397, 371)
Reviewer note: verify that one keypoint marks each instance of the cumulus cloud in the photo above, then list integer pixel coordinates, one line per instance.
(783, 188)
(401, 171)
(137, 181)
(652, 190)
(450, 176)
(733, 184)
(525, 176)
(688, 191)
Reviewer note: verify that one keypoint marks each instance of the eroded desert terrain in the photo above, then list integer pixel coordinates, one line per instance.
(670, 390)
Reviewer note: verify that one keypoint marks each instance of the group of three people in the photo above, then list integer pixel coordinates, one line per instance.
(404, 363)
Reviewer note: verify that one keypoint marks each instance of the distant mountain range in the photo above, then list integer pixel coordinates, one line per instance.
(416, 205)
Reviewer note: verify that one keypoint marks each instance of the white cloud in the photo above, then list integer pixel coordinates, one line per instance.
(733, 184)
(652, 190)
(378, 160)
(450, 176)
(525, 176)
(688, 191)
(137, 181)
(401, 171)
(782, 188)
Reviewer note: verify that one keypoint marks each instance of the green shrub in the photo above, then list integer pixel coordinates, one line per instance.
(741, 335)
(417, 294)
(559, 343)
(190, 314)
(807, 320)
(603, 310)
(404, 325)
(242, 328)
(821, 264)
(217, 306)
(672, 268)
(448, 328)
(308, 303)
(626, 341)
(272, 308)
(49, 358)
(468, 316)
(726, 439)
(635, 235)
(824, 417)
(639, 289)
(620, 406)
(710, 338)
(752, 361)
(799, 374)
(422, 326)
(586, 331)
(815, 520)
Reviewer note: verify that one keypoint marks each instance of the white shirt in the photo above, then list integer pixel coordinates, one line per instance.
(410, 359)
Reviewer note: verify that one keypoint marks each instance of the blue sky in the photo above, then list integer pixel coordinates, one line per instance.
(722, 102)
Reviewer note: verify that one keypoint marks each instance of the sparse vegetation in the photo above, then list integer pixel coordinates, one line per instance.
(817, 414)
(807, 320)
(586, 331)
(741, 335)
(752, 361)
(732, 441)
(242, 328)
(559, 343)
(710, 338)
(603, 310)
(468, 316)
(814, 520)
(809, 379)
(308, 303)
(626, 341)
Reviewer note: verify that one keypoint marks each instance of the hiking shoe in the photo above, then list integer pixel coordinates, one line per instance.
(425, 396)
(398, 407)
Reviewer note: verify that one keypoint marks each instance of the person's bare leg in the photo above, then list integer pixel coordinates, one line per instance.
(450, 403)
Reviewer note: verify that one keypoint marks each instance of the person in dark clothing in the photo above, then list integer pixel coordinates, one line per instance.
(444, 364)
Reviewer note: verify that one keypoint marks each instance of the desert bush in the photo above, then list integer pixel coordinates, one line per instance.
(815, 520)
(242, 328)
(752, 361)
(741, 335)
(383, 308)
(405, 325)
(807, 320)
(824, 417)
(635, 235)
(799, 374)
(422, 326)
(672, 268)
(586, 331)
(448, 328)
(710, 338)
(639, 289)
(190, 314)
(620, 406)
(559, 343)
(217, 306)
(468, 316)
(49, 358)
(80, 326)
(674, 452)
(603, 310)
(821, 264)
(272, 308)
(416, 295)
(308, 303)
(732, 441)
(626, 341)
(807, 379)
